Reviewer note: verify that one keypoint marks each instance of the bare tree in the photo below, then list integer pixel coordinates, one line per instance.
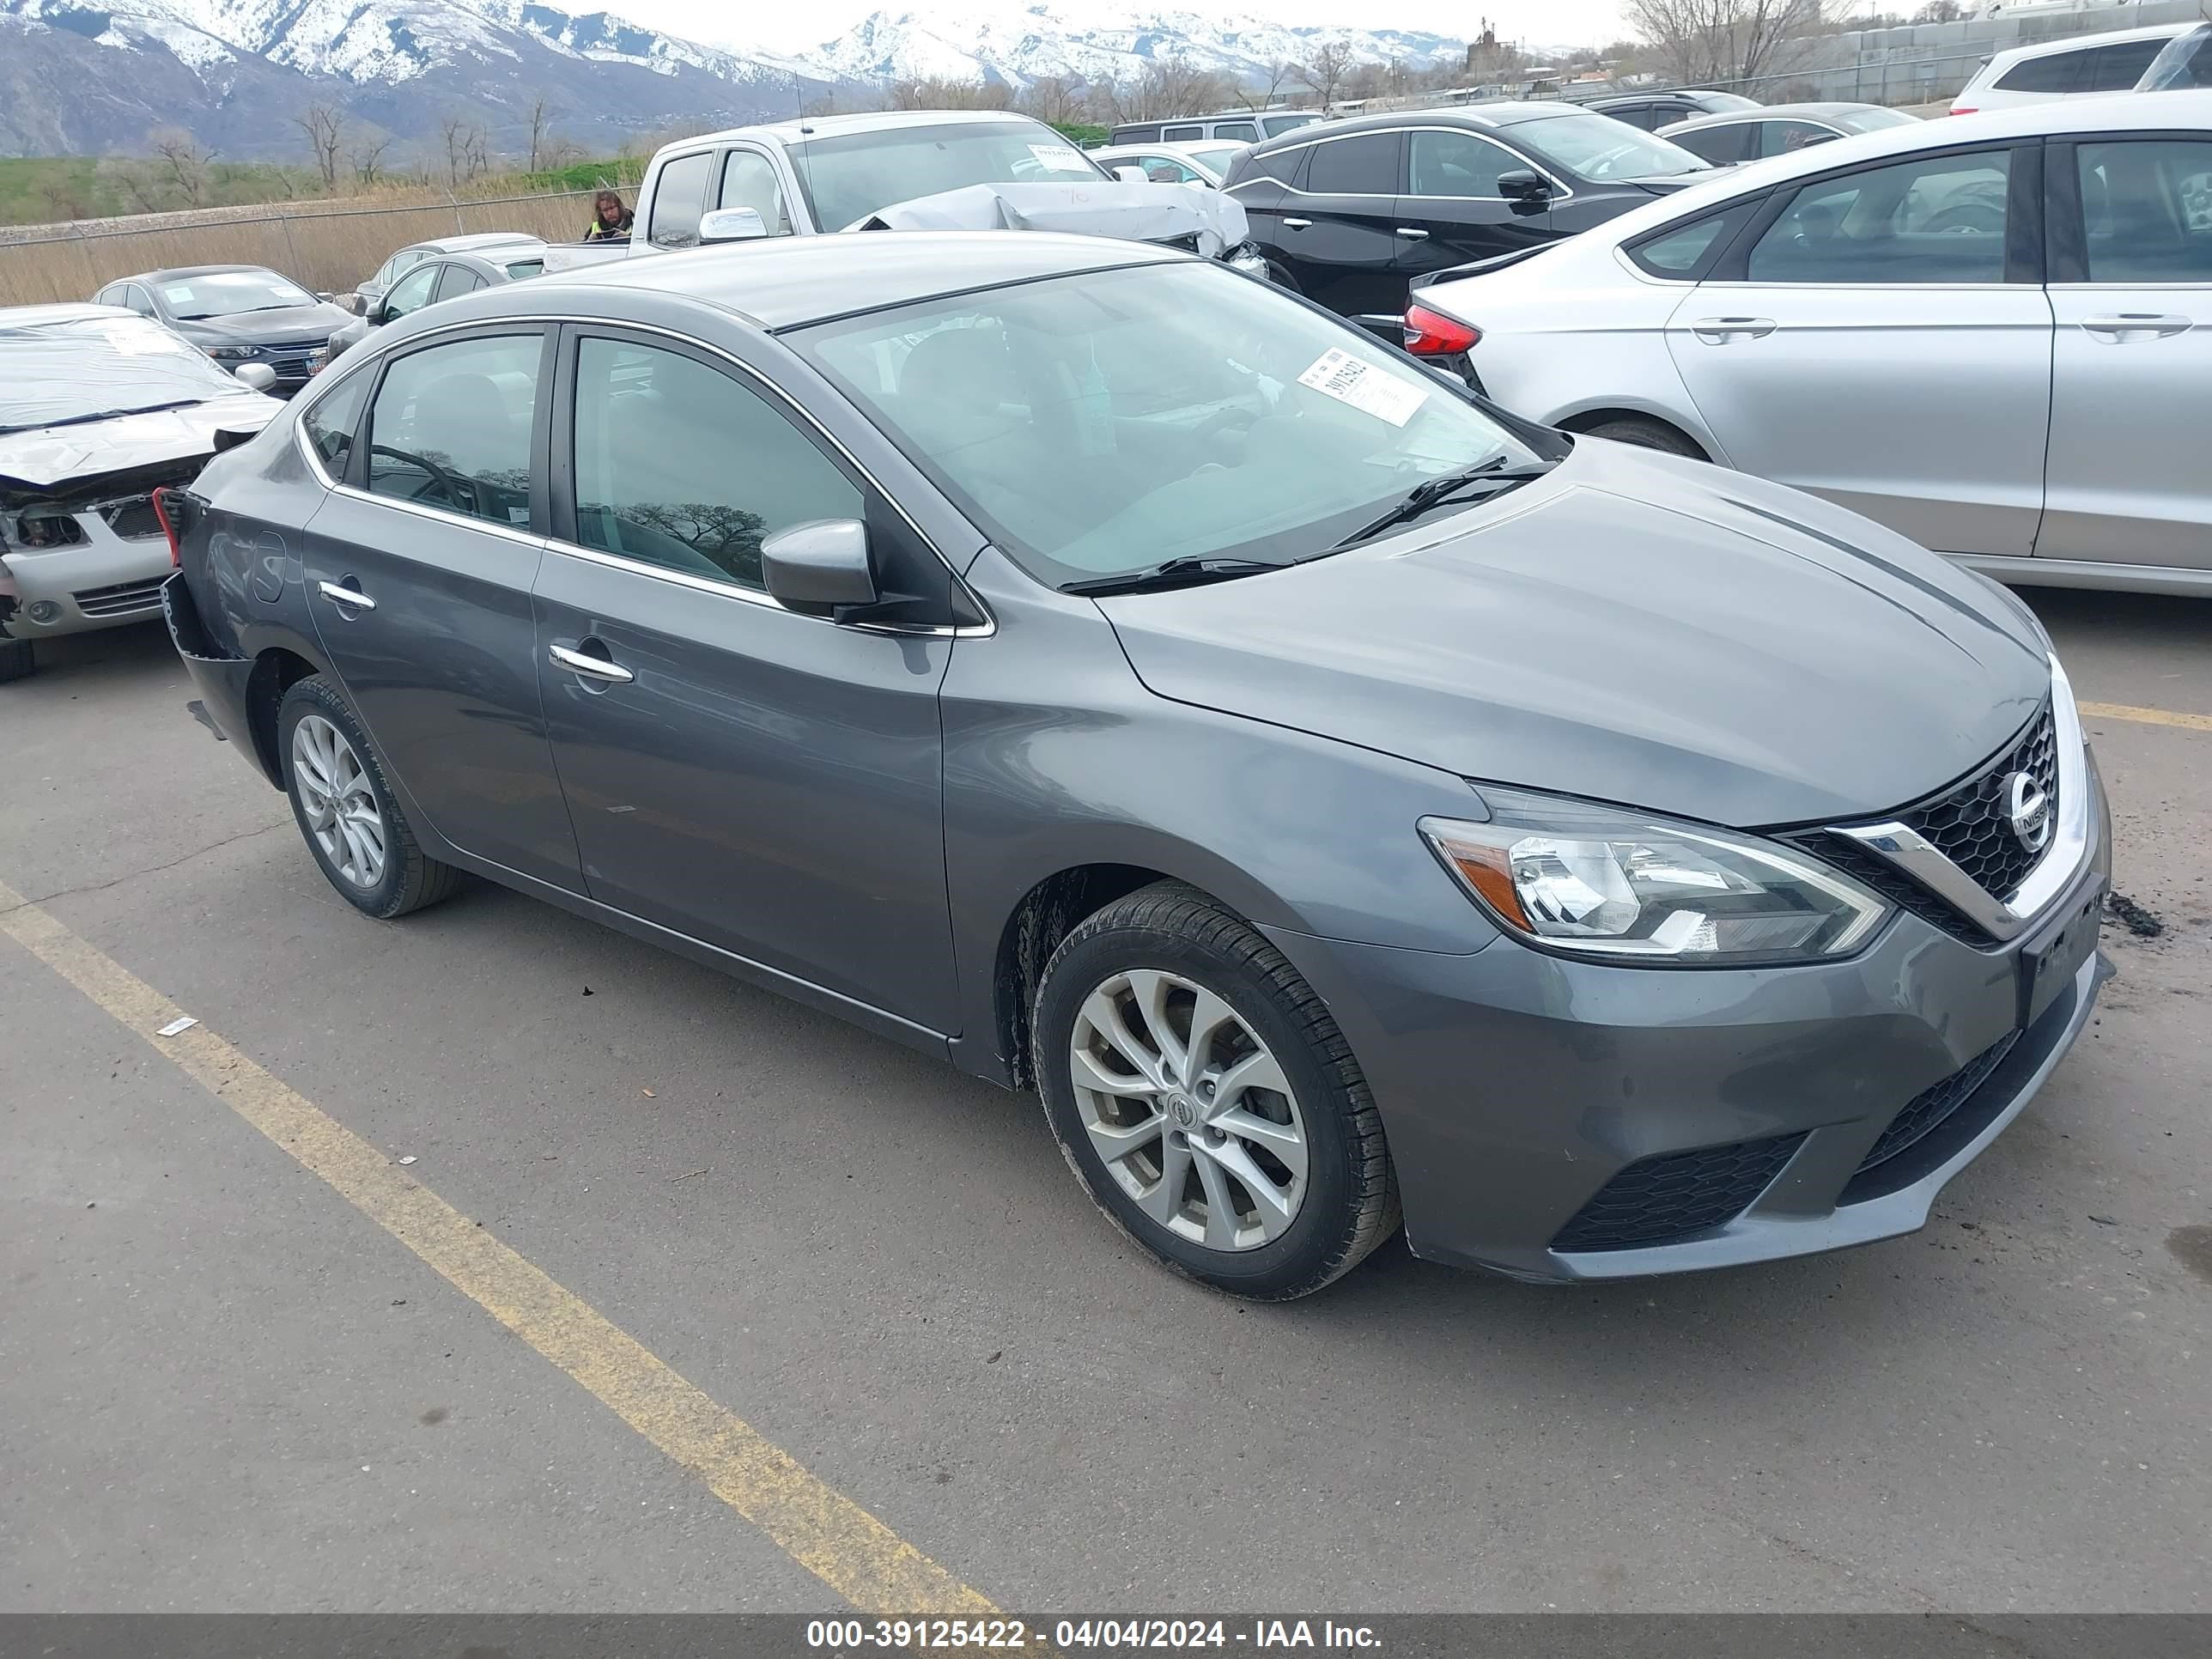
(1330, 65)
(1052, 99)
(1940, 11)
(468, 149)
(1260, 95)
(1711, 42)
(541, 117)
(185, 167)
(63, 201)
(368, 162)
(1168, 88)
(323, 127)
(935, 93)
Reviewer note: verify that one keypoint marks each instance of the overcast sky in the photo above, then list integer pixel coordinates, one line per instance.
(787, 27)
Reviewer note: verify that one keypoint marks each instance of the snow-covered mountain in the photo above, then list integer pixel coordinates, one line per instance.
(1018, 44)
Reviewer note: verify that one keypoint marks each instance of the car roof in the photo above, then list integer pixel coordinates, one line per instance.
(833, 126)
(1191, 147)
(2087, 42)
(474, 239)
(789, 281)
(1501, 113)
(63, 311)
(1764, 113)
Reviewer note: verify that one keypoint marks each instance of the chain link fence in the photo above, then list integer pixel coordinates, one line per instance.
(326, 250)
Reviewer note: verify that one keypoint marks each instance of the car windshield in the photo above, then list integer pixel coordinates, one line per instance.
(1598, 148)
(2184, 63)
(848, 178)
(1871, 120)
(94, 366)
(1108, 422)
(229, 293)
(1216, 156)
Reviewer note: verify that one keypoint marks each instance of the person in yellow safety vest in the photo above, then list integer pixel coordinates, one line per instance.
(610, 220)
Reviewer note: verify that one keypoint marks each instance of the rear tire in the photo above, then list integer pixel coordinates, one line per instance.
(16, 659)
(345, 809)
(1647, 434)
(1280, 276)
(1256, 1163)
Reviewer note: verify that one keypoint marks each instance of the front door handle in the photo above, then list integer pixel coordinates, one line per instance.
(1723, 330)
(1412, 235)
(351, 598)
(2130, 326)
(595, 668)
(1297, 224)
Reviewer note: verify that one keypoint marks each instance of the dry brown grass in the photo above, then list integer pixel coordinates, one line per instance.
(325, 247)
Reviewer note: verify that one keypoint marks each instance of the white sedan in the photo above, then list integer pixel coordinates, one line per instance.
(1992, 333)
(1199, 163)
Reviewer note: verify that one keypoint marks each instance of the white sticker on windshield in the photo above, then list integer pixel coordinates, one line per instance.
(1367, 388)
(178, 296)
(140, 339)
(1063, 156)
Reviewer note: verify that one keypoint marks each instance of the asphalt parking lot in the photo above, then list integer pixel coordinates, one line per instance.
(250, 1362)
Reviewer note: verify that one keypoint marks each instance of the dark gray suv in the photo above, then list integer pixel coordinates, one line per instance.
(1335, 797)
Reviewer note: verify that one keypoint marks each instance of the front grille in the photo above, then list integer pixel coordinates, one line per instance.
(1928, 1110)
(1969, 826)
(1871, 870)
(1665, 1200)
(121, 599)
(133, 521)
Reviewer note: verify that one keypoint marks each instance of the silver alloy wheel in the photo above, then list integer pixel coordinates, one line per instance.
(342, 814)
(1189, 1110)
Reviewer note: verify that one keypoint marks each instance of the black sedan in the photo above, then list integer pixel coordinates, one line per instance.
(444, 278)
(237, 314)
(1349, 212)
(1653, 111)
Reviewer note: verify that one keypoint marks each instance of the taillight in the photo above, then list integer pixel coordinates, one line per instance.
(1964, 109)
(162, 517)
(1428, 335)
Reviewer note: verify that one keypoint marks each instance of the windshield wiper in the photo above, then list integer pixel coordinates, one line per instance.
(1175, 573)
(1434, 492)
(101, 415)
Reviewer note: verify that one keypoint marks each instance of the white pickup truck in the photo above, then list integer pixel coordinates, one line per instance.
(906, 170)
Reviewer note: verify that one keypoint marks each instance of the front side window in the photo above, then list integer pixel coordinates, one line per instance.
(678, 199)
(450, 427)
(2147, 208)
(748, 180)
(1364, 166)
(409, 293)
(848, 178)
(1100, 423)
(1722, 146)
(1443, 163)
(457, 281)
(680, 464)
(1166, 170)
(1782, 137)
(2184, 62)
(136, 299)
(332, 424)
(1599, 148)
(1939, 219)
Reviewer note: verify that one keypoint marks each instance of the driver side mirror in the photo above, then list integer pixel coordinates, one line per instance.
(259, 377)
(821, 567)
(1130, 173)
(380, 313)
(1525, 188)
(740, 224)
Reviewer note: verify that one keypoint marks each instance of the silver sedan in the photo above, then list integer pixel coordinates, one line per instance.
(1992, 333)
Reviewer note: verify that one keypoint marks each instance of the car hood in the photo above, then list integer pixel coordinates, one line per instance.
(1212, 221)
(55, 460)
(1630, 628)
(252, 327)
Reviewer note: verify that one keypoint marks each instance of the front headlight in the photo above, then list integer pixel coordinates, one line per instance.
(237, 353)
(1628, 887)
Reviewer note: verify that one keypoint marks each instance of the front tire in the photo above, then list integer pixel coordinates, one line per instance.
(17, 660)
(1207, 1101)
(1646, 435)
(345, 809)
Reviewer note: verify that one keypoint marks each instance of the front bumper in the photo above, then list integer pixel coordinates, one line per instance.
(1559, 1119)
(105, 580)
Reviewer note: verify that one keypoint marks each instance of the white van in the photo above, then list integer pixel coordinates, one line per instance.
(2057, 69)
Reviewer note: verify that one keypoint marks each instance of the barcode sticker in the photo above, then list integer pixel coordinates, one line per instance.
(1062, 158)
(1366, 387)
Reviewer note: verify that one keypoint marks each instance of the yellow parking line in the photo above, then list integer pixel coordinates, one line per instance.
(2120, 711)
(824, 1531)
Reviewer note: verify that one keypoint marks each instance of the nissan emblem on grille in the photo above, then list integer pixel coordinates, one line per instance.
(2027, 808)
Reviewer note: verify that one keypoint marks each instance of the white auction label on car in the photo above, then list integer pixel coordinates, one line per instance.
(1337, 374)
(1064, 156)
(142, 339)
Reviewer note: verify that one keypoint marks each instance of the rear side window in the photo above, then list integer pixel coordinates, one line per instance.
(457, 280)
(1178, 135)
(679, 465)
(1781, 137)
(331, 424)
(450, 427)
(2118, 68)
(1722, 146)
(1937, 219)
(1364, 166)
(1650, 117)
(2055, 72)
(679, 201)
(1243, 129)
(2147, 207)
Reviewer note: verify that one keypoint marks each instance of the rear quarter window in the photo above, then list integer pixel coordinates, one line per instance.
(2053, 72)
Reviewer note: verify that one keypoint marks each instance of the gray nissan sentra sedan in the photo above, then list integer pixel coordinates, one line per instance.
(1337, 797)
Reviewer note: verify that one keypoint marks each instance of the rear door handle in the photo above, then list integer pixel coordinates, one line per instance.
(582, 662)
(1412, 235)
(1723, 330)
(352, 598)
(1297, 224)
(2130, 326)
